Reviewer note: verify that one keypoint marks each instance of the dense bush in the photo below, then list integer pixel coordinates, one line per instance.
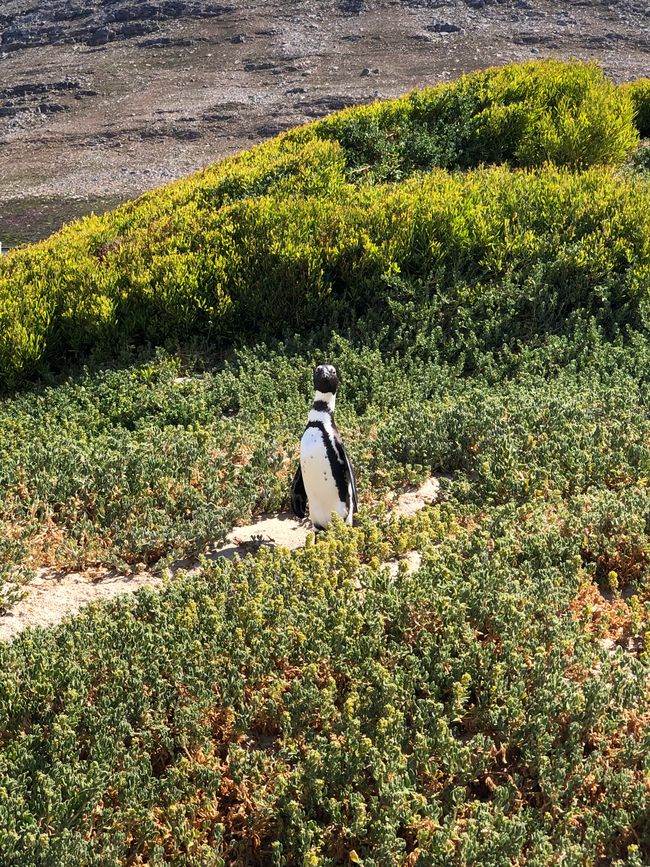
(524, 115)
(639, 93)
(292, 231)
(484, 258)
(306, 709)
(138, 466)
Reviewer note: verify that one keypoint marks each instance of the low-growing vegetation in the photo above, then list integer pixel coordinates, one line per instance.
(475, 260)
(307, 709)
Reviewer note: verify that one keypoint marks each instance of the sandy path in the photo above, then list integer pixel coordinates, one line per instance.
(53, 595)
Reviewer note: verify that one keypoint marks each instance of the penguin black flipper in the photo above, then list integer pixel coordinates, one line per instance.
(298, 494)
(352, 480)
(348, 472)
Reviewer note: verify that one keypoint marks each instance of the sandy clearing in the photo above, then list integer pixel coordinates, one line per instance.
(53, 595)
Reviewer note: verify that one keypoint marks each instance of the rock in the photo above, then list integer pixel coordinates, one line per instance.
(536, 39)
(217, 116)
(15, 38)
(135, 28)
(22, 90)
(411, 563)
(565, 20)
(261, 66)
(136, 12)
(443, 27)
(415, 499)
(268, 130)
(212, 10)
(175, 8)
(51, 108)
(327, 104)
(165, 42)
(238, 39)
(426, 4)
(352, 7)
(598, 42)
(71, 13)
(100, 37)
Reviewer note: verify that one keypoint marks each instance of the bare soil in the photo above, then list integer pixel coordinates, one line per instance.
(101, 100)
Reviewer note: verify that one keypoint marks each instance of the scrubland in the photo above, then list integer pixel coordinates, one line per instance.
(475, 260)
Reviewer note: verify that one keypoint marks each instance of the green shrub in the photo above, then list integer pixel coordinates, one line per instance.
(488, 257)
(283, 233)
(550, 111)
(523, 114)
(159, 460)
(306, 708)
(639, 93)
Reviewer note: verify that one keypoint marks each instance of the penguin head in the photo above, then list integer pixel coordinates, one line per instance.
(326, 379)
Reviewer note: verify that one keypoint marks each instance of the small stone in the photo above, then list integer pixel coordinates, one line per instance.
(443, 27)
(100, 37)
(608, 644)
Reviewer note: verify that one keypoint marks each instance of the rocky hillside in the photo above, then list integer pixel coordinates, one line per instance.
(100, 101)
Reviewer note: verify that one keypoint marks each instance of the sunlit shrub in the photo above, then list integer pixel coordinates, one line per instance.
(639, 93)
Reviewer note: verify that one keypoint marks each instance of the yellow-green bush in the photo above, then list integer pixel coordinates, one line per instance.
(524, 115)
(639, 93)
(530, 249)
(292, 232)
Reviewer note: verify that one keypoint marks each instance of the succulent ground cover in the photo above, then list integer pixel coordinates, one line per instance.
(490, 326)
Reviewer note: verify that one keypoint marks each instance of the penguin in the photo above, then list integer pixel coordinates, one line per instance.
(324, 477)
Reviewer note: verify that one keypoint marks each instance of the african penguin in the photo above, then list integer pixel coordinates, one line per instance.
(324, 476)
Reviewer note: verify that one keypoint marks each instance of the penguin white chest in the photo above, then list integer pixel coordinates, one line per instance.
(318, 478)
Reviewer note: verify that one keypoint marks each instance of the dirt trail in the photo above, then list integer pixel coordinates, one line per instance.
(54, 595)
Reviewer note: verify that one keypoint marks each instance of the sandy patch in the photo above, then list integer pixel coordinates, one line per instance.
(414, 499)
(53, 595)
